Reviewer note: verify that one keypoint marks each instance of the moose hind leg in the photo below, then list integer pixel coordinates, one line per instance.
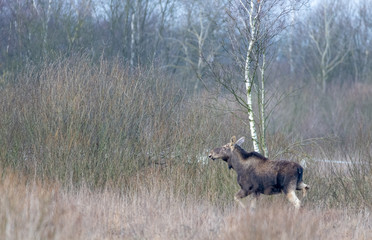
(304, 187)
(291, 195)
(241, 194)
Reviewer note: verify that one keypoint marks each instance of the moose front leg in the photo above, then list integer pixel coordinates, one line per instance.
(254, 201)
(241, 194)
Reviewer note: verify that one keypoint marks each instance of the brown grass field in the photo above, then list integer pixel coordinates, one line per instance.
(93, 151)
(44, 211)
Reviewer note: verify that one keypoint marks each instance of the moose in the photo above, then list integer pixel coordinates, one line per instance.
(260, 175)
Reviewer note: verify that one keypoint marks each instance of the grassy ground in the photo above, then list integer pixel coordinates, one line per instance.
(99, 152)
(154, 211)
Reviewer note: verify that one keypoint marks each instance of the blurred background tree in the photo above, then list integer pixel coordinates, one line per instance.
(326, 42)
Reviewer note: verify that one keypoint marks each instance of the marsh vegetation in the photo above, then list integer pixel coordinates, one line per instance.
(108, 110)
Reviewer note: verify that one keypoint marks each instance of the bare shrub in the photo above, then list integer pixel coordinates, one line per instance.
(74, 122)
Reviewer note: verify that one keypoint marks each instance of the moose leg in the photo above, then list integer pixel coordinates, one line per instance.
(304, 187)
(241, 194)
(254, 201)
(291, 195)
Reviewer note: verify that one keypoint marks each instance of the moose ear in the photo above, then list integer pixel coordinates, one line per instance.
(240, 141)
(233, 140)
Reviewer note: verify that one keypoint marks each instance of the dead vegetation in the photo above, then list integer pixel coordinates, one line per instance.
(97, 152)
(34, 210)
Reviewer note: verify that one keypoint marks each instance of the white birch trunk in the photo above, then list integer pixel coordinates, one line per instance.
(45, 29)
(248, 86)
(249, 79)
(291, 63)
(135, 32)
(132, 41)
(262, 107)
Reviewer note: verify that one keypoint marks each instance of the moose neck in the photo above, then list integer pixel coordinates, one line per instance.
(237, 155)
(242, 160)
(240, 151)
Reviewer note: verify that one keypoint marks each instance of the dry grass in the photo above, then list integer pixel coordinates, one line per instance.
(31, 210)
(40, 211)
(269, 222)
(99, 152)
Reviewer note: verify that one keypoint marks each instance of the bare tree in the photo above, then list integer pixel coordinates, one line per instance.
(329, 45)
(117, 17)
(198, 39)
(26, 29)
(75, 20)
(43, 11)
(362, 44)
(254, 26)
(166, 9)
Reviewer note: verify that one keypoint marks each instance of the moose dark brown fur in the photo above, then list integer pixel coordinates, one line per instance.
(259, 175)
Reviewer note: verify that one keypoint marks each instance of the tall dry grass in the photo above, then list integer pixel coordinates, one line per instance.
(34, 210)
(95, 151)
(31, 210)
(270, 222)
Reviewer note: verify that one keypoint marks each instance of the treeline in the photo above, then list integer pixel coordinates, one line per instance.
(330, 41)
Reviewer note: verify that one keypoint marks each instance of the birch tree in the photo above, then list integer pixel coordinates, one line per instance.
(134, 33)
(253, 27)
(253, 12)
